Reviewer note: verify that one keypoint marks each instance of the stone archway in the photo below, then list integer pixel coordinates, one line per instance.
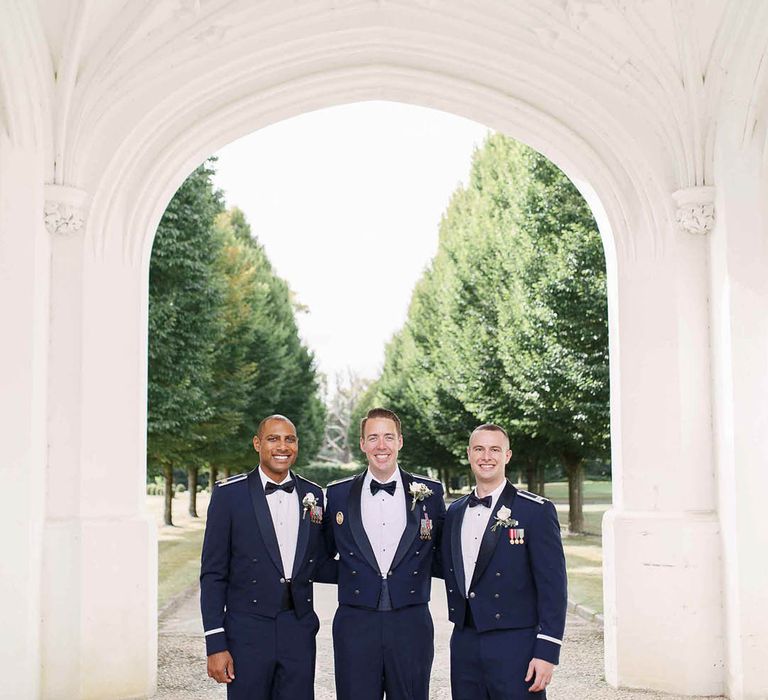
(117, 103)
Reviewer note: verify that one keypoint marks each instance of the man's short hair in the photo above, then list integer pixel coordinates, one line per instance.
(493, 428)
(274, 416)
(380, 413)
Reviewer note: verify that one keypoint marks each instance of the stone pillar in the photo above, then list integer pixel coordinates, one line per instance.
(24, 274)
(661, 539)
(739, 292)
(99, 598)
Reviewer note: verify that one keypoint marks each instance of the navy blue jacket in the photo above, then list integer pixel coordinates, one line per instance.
(410, 576)
(514, 584)
(241, 569)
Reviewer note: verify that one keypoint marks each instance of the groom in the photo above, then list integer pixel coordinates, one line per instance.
(385, 525)
(505, 579)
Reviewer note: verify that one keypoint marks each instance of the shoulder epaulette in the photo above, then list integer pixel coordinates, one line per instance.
(341, 481)
(426, 478)
(312, 483)
(231, 480)
(532, 497)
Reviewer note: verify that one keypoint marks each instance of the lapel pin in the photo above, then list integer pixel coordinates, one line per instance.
(339, 518)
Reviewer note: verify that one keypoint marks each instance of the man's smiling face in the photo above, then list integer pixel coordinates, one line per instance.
(278, 447)
(488, 454)
(381, 443)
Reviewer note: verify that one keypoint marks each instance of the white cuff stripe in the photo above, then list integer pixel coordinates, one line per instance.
(216, 631)
(549, 639)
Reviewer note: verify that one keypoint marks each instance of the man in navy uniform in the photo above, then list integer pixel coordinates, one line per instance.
(385, 525)
(263, 548)
(505, 577)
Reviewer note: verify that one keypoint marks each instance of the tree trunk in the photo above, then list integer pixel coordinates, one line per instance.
(168, 476)
(192, 488)
(540, 478)
(212, 478)
(531, 475)
(225, 473)
(445, 477)
(575, 470)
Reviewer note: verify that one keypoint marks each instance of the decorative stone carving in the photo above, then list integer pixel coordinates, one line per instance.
(695, 209)
(64, 209)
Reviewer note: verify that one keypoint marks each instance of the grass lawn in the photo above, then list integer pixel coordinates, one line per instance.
(584, 562)
(594, 491)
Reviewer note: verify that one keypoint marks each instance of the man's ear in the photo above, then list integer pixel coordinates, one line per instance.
(256, 443)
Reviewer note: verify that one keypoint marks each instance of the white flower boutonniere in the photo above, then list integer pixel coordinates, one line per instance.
(419, 492)
(503, 518)
(309, 504)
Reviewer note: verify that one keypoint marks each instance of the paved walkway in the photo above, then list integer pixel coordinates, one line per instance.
(181, 675)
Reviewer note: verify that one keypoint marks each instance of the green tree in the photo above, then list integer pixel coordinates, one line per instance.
(185, 300)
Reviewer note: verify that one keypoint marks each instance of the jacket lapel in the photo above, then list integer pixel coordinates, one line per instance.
(354, 508)
(491, 539)
(411, 521)
(457, 518)
(264, 518)
(302, 538)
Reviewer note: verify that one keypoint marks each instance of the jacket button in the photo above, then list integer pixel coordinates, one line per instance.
(311, 560)
(498, 573)
(254, 581)
(389, 573)
(282, 580)
(450, 590)
(310, 581)
(351, 554)
(417, 554)
(413, 591)
(453, 610)
(309, 600)
(495, 595)
(497, 616)
(357, 592)
(354, 573)
(472, 594)
(415, 572)
(254, 601)
(450, 570)
(255, 561)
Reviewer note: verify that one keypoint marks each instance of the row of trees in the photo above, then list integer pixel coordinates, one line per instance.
(224, 347)
(508, 324)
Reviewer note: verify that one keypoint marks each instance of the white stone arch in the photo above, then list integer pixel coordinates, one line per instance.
(622, 95)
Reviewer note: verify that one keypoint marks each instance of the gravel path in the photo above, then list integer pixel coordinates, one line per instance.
(181, 673)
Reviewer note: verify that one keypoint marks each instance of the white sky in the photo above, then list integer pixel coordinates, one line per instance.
(347, 203)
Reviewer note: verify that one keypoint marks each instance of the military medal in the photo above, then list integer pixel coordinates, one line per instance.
(316, 515)
(516, 535)
(426, 527)
(339, 518)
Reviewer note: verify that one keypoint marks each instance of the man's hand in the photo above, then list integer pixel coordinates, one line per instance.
(539, 669)
(221, 667)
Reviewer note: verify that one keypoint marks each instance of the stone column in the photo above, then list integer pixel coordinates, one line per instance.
(661, 539)
(24, 255)
(739, 290)
(99, 598)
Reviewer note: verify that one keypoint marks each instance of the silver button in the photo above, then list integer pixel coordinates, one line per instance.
(310, 581)
(282, 580)
(415, 572)
(472, 594)
(354, 573)
(495, 595)
(413, 591)
(357, 592)
(254, 581)
(309, 600)
(497, 616)
(498, 573)
(311, 560)
(450, 590)
(255, 601)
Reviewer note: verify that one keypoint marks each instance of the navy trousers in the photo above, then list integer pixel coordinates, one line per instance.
(274, 658)
(379, 652)
(492, 665)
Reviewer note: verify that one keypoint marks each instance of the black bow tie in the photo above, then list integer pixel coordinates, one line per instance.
(271, 487)
(475, 501)
(389, 487)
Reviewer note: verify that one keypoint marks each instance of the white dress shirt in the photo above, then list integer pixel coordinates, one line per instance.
(284, 508)
(384, 519)
(476, 521)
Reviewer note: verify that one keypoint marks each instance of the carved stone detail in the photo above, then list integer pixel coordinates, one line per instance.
(64, 209)
(695, 209)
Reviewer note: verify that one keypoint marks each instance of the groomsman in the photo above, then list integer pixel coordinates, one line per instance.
(505, 578)
(263, 548)
(385, 525)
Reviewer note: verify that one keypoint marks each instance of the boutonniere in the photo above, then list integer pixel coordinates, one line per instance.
(503, 518)
(310, 506)
(419, 492)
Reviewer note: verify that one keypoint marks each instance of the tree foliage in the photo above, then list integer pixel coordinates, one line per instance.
(508, 324)
(224, 346)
